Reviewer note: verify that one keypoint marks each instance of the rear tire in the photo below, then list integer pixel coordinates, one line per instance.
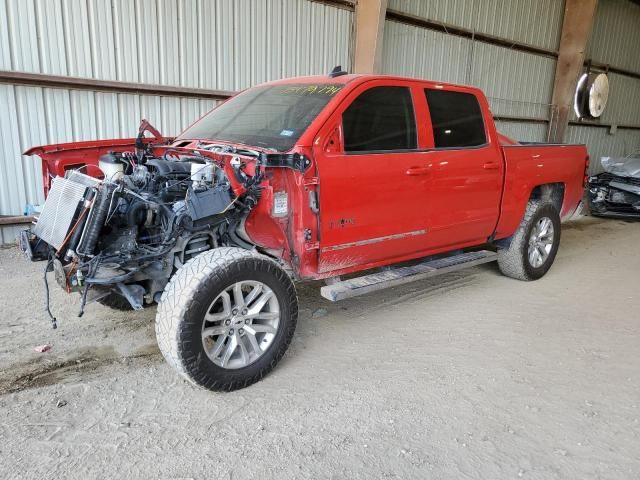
(215, 330)
(532, 251)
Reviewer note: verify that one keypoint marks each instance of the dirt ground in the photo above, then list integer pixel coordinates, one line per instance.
(469, 375)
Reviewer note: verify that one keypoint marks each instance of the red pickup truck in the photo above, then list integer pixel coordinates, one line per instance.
(303, 178)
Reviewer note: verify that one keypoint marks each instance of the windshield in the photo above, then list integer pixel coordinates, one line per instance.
(273, 116)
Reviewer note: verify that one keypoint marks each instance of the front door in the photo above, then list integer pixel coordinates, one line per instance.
(371, 190)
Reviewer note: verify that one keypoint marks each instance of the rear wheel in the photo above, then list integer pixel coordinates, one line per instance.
(534, 246)
(226, 318)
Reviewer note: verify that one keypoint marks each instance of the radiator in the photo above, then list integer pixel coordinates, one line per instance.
(60, 209)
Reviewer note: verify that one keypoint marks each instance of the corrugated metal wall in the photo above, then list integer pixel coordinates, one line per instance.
(517, 83)
(214, 44)
(524, 131)
(535, 22)
(616, 34)
(623, 106)
(217, 44)
(520, 84)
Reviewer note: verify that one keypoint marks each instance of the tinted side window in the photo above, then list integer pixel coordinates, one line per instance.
(380, 119)
(456, 119)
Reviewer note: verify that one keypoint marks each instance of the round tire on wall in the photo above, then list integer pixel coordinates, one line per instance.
(226, 318)
(534, 246)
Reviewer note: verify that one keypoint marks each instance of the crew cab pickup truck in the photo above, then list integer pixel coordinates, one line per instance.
(307, 178)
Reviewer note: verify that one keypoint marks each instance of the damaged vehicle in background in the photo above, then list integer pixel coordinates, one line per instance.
(616, 191)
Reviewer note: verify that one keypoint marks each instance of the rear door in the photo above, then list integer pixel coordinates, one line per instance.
(465, 170)
(371, 194)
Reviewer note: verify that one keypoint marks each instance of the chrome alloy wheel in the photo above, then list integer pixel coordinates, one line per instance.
(540, 242)
(240, 324)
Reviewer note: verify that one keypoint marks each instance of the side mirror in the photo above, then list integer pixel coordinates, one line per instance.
(332, 144)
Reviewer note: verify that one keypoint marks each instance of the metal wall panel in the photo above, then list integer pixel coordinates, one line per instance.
(217, 44)
(12, 190)
(601, 143)
(30, 116)
(616, 35)
(623, 106)
(417, 52)
(535, 22)
(516, 83)
(53, 58)
(5, 50)
(523, 131)
(77, 38)
(9, 234)
(103, 58)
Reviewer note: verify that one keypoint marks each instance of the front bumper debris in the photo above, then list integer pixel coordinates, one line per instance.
(614, 196)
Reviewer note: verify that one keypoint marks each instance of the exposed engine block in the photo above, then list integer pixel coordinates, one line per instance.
(126, 234)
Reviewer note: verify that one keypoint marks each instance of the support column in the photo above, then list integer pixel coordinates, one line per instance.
(370, 15)
(576, 28)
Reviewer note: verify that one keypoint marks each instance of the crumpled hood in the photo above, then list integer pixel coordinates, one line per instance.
(623, 167)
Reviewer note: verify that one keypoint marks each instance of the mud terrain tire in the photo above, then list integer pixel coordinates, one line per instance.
(190, 297)
(514, 261)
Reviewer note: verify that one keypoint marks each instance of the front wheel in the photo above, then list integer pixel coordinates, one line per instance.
(226, 318)
(534, 246)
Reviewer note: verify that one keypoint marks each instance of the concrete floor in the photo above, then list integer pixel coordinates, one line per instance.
(470, 375)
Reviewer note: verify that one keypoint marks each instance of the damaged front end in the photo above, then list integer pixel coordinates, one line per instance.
(616, 191)
(154, 209)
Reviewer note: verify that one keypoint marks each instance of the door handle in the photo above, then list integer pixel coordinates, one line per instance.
(491, 166)
(417, 171)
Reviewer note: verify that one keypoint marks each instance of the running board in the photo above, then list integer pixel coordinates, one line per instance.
(400, 275)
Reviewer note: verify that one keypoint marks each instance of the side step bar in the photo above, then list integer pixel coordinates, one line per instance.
(400, 275)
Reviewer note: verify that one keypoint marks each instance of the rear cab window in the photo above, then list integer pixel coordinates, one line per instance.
(456, 119)
(380, 119)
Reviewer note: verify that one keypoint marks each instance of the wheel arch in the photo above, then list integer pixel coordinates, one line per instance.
(551, 192)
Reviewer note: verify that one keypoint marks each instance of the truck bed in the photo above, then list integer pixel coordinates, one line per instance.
(530, 164)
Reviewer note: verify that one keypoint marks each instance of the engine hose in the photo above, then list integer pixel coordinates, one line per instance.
(96, 220)
(133, 215)
(47, 303)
